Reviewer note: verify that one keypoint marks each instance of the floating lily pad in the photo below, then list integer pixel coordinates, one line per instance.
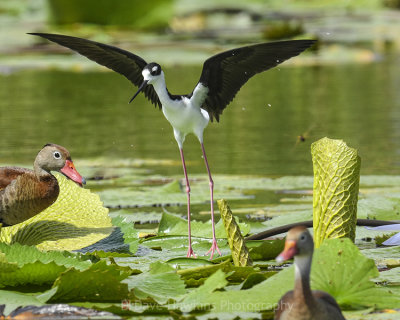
(161, 283)
(26, 266)
(389, 277)
(384, 257)
(17, 299)
(173, 225)
(340, 269)
(99, 282)
(170, 193)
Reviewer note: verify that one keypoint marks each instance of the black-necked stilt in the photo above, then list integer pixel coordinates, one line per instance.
(222, 77)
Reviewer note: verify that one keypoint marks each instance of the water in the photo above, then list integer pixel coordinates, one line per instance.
(257, 134)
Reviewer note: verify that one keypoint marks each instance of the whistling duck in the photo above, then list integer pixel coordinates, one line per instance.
(302, 303)
(25, 193)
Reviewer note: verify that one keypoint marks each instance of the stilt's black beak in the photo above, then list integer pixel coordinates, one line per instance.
(140, 89)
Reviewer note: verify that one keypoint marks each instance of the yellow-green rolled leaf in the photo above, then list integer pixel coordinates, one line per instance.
(75, 220)
(240, 253)
(336, 184)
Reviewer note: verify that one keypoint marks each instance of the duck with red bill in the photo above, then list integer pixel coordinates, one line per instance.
(24, 193)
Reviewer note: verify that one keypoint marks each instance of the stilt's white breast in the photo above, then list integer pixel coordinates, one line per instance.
(185, 114)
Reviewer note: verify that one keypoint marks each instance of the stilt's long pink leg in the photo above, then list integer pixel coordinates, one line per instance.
(190, 252)
(214, 245)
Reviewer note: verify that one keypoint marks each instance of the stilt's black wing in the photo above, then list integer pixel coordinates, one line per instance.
(225, 73)
(121, 61)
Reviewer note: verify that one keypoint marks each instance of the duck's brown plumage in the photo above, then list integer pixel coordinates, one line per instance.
(302, 303)
(25, 193)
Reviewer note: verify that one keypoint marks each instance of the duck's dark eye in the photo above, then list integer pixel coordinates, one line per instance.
(303, 237)
(57, 155)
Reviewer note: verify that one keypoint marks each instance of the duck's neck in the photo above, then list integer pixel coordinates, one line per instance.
(302, 289)
(40, 173)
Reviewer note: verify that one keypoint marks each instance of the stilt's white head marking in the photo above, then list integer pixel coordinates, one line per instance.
(152, 72)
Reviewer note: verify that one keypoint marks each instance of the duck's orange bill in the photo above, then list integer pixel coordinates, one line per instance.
(70, 172)
(288, 252)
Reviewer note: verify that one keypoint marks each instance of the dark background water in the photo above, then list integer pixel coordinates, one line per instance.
(88, 112)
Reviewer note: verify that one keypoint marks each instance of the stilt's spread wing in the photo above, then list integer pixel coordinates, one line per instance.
(225, 73)
(121, 61)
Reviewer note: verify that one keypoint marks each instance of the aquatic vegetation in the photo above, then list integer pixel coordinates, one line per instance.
(335, 191)
(152, 276)
(240, 253)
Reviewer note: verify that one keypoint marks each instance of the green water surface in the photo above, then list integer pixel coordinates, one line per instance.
(88, 112)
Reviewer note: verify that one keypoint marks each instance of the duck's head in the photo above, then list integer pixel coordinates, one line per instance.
(53, 157)
(299, 242)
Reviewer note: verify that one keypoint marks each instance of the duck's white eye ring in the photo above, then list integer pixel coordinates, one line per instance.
(56, 155)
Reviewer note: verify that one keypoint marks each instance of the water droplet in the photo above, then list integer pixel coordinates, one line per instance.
(277, 60)
(269, 105)
(243, 108)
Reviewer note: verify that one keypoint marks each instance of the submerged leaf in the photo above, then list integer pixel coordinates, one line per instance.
(336, 183)
(240, 253)
(77, 219)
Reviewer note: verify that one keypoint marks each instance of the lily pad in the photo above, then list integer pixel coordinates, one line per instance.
(170, 193)
(198, 275)
(18, 299)
(389, 277)
(173, 225)
(100, 282)
(26, 266)
(131, 236)
(340, 269)
(265, 249)
(384, 257)
(161, 283)
(199, 298)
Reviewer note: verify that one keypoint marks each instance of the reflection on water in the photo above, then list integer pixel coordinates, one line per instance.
(258, 133)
